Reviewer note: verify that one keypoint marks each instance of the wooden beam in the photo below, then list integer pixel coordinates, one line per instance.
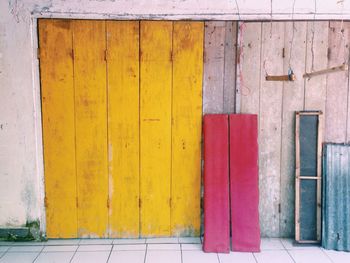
(343, 67)
(290, 77)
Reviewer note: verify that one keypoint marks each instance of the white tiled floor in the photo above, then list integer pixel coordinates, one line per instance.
(55, 257)
(162, 250)
(127, 256)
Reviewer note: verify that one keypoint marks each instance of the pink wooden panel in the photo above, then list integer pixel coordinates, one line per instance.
(244, 183)
(216, 184)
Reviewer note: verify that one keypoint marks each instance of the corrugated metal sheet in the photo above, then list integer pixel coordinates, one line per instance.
(336, 197)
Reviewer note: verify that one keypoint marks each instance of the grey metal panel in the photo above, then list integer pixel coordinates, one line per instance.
(308, 210)
(308, 145)
(336, 197)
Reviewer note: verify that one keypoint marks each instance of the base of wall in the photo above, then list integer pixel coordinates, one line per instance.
(12, 233)
(28, 233)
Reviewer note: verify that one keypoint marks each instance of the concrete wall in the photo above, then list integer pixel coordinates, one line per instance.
(21, 165)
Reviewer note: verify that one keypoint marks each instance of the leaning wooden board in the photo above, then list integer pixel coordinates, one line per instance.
(216, 184)
(308, 150)
(244, 182)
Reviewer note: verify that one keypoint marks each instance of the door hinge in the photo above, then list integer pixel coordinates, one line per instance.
(45, 201)
(283, 52)
(38, 53)
(106, 54)
(108, 202)
(171, 56)
(170, 202)
(279, 208)
(140, 202)
(76, 202)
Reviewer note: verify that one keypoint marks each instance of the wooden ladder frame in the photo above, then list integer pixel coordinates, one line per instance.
(299, 177)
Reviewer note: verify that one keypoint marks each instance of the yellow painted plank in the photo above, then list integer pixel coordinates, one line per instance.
(57, 93)
(155, 124)
(186, 127)
(91, 127)
(123, 127)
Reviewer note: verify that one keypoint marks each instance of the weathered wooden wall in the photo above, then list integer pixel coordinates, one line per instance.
(219, 81)
(271, 48)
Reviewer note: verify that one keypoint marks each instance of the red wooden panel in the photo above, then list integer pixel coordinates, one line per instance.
(244, 183)
(216, 184)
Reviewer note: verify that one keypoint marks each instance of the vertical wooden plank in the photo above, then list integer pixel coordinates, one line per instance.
(316, 59)
(57, 93)
(293, 100)
(230, 67)
(155, 125)
(186, 128)
(216, 184)
(123, 127)
(347, 139)
(270, 128)
(244, 182)
(319, 175)
(337, 84)
(214, 55)
(91, 127)
(248, 66)
(297, 175)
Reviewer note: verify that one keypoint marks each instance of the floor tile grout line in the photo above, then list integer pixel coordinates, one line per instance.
(5, 251)
(290, 255)
(279, 240)
(324, 252)
(282, 244)
(75, 252)
(286, 249)
(145, 256)
(38, 254)
(110, 253)
(181, 253)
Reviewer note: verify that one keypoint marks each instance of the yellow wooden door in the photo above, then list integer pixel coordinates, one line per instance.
(122, 106)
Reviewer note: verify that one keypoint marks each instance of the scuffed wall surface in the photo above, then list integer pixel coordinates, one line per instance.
(20, 146)
(18, 177)
(185, 9)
